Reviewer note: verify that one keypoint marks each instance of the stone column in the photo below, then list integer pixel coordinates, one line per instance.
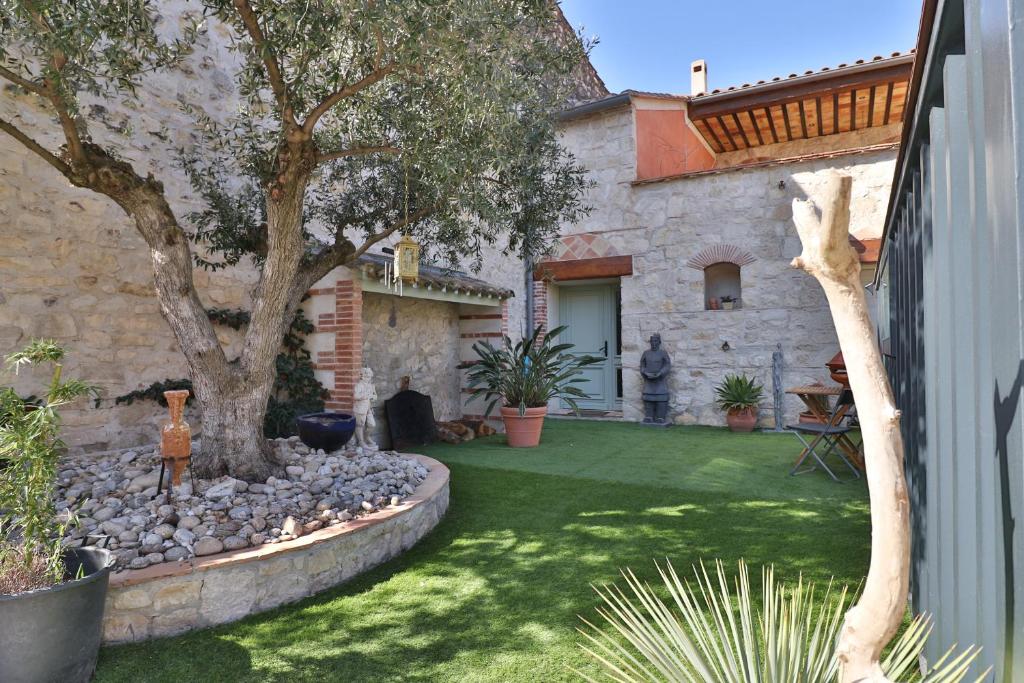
(478, 323)
(348, 341)
(336, 308)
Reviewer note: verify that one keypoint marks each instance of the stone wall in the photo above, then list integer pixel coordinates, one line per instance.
(72, 266)
(168, 599)
(665, 224)
(414, 337)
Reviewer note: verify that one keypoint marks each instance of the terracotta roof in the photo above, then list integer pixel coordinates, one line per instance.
(438, 278)
(866, 94)
(655, 95)
(810, 72)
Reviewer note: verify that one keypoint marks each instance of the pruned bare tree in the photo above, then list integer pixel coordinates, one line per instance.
(828, 256)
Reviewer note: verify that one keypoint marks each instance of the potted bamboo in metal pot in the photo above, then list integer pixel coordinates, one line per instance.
(51, 598)
(523, 377)
(738, 396)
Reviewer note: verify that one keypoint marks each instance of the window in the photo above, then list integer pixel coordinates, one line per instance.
(722, 286)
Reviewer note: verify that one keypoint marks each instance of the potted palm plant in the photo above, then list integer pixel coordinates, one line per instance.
(738, 396)
(523, 377)
(51, 598)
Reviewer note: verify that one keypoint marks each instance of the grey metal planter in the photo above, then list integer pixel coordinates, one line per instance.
(53, 634)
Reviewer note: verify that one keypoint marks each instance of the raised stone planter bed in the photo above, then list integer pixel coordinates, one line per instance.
(114, 498)
(173, 597)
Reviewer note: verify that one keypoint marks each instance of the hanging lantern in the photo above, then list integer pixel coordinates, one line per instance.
(407, 259)
(405, 267)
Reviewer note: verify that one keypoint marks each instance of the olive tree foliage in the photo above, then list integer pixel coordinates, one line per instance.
(353, 120)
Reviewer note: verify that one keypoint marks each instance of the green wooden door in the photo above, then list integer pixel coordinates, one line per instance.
(589, 311)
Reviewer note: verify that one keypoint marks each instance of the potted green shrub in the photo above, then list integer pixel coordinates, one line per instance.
(738, 396)
(523, 377)
(51, 598)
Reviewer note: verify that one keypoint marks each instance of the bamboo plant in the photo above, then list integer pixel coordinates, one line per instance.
(30, 447)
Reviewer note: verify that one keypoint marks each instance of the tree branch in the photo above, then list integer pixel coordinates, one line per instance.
(274, 75)
(343, 253)
(27, 84)
(28, 142)
(356, 152)
(349, 90)
(414, 217)
(58, 60)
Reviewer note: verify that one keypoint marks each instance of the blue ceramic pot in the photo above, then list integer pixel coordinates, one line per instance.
(329, 431)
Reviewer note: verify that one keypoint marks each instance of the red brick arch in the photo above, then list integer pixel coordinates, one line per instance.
(721, 253)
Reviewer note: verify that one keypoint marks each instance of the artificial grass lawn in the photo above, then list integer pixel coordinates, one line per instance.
(494, 592)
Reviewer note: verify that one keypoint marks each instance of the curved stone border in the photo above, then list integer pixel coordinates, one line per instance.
(174, 597)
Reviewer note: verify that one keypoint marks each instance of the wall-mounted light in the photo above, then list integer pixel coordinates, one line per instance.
(725, 346)
(782, 184)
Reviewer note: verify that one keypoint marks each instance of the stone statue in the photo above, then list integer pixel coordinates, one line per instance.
(363, 397)
(654, 368)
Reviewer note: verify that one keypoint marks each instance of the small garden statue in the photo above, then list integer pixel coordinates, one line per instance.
(655, 365)
(363, 397)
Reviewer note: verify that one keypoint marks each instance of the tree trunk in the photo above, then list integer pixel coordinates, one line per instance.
(232, 432)
(232, 396)
(829, 257)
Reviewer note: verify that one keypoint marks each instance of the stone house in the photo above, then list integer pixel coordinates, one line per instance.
(691, 204)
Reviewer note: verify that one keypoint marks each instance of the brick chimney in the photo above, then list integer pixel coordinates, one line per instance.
(698, 77)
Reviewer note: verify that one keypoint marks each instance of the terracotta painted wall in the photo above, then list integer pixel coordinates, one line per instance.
(666, 146)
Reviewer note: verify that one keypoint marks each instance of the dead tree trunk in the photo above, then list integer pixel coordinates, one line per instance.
(829, 257)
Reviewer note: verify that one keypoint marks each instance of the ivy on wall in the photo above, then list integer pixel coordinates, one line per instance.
(296, 390)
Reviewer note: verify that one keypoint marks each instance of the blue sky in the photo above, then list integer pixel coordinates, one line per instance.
(649, 44)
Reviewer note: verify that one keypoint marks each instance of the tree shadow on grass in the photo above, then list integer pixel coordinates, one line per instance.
(494, 592)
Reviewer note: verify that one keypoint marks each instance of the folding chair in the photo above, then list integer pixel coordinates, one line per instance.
(827, 436)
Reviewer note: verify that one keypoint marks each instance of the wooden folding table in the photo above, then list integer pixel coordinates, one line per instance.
(816, 398)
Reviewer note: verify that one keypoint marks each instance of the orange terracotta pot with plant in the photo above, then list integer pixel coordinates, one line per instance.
(523, 377)
(738, 396)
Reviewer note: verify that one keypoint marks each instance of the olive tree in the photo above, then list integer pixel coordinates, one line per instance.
(354, 120)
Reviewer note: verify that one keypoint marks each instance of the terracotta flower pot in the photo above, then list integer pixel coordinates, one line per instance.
(523, 431)
(742, 420)
(807, 417)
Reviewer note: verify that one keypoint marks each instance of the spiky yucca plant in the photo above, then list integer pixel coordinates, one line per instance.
(718, 635)
(738, 392)
(528, 373)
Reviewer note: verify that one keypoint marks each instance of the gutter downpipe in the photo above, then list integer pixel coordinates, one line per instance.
(528, 286)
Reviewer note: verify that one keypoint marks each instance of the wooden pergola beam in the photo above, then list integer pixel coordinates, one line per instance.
(794, 90)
